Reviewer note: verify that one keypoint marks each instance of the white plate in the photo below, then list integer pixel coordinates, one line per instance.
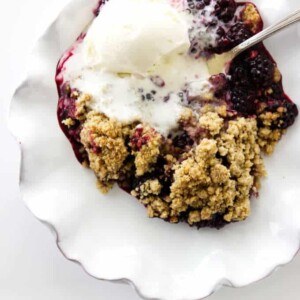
(110, 235)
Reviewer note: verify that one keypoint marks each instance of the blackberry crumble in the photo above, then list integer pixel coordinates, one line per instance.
(186, 144)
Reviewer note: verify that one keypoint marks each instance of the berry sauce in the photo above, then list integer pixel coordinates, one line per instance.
(66, 108)
(253, 90)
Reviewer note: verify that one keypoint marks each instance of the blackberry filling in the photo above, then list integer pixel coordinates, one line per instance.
(243, 101)
(261, 70)
(238, 33)
(183, 140)
(225, 9)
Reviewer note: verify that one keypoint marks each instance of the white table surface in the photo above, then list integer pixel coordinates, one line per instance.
(31, 267)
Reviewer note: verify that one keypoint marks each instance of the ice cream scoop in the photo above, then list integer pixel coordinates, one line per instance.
(131, 36)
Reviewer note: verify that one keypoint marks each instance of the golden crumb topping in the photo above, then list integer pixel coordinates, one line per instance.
(68, 122)
(212, 122)
(268, 137)
(218, 175)
(277, 75)
(251, 17)
(149, 187)
(82, 104)
(147, 154)
(103, 140)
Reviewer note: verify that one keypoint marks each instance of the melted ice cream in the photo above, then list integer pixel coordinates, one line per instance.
(135, 62)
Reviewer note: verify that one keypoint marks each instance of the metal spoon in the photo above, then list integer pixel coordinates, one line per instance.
(218, 62)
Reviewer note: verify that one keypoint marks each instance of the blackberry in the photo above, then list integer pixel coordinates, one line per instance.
(289, 116)
(182, 140)
(239, 72)
(243, 101)
(223, 43)
(238, 33)
(225, 9)
(239, 77)
(261, 70)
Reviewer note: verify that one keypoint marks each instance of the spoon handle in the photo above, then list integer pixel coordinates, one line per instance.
(266, 33)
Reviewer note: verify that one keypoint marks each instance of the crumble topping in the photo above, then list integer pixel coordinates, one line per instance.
(268, 136)
(211, 122)
(103, 140)
(251, 17)
(68, 122)
(215, 177)
(149, 187)
(277, 76)
(203, 182)
(82, 105)
(145, 143)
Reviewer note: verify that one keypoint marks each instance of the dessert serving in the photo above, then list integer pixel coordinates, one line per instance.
(140, 108)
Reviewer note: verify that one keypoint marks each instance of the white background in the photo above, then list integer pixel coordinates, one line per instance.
(31, 267)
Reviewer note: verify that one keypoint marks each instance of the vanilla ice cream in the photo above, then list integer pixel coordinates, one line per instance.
(131, 36)
(127, 45)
